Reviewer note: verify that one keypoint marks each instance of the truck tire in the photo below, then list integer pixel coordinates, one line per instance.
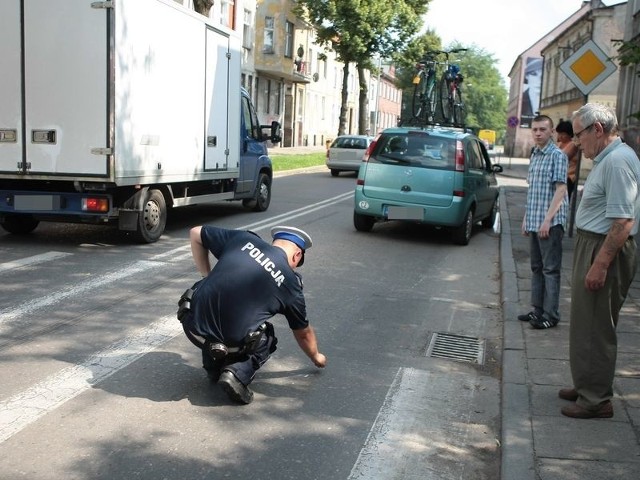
(262, 198)
(153, 218)
(19, 224)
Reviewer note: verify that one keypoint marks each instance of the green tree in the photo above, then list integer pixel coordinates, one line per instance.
(359, 31)
(485, 95)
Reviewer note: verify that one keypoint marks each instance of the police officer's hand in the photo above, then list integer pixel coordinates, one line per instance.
(319, 360)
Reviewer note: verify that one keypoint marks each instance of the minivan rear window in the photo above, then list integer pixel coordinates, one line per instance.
(415, 150)
(350, 142)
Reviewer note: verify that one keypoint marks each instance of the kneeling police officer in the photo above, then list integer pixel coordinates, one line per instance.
(226, 313)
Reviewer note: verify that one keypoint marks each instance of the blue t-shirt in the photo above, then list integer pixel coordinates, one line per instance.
(250, 283)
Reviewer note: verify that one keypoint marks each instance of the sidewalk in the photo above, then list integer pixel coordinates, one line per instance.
(538, 442)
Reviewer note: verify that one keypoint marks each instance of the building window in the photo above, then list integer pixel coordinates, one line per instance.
(267, 97)
(278, 98)
(227, 13)
(288, 40)
(300, 102)
(268, 35)
(256, 95)
(247, 31)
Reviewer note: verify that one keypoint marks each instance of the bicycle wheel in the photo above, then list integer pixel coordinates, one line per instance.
(445, 101)
(419, 89)
(432, 98)
(459, 111)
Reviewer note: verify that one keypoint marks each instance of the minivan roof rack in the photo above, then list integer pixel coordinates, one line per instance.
(421, 123)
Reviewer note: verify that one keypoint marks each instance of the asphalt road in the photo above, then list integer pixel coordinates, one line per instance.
(98, 382)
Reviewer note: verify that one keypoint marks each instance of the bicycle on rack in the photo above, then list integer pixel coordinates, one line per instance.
(425, 88)
(429, 94)
(451, 104)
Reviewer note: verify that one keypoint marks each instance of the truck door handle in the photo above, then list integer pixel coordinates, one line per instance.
(43, 136)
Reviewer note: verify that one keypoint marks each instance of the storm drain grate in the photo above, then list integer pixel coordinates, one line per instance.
(456, 347)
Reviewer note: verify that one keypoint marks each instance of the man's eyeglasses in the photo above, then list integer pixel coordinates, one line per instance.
(576, 137)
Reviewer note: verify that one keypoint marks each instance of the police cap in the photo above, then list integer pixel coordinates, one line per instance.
(295, 235)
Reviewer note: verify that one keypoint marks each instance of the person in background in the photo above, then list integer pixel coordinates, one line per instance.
(226, 313)
(604, 261)
(564, 138)
(543, 222)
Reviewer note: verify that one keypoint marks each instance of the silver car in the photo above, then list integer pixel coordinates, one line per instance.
(346, 152)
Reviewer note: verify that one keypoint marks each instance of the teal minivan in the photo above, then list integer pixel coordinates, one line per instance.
(438, 176)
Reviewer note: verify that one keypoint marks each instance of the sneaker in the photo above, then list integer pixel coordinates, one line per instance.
(525, 317)
(541, 323)
(234, 388)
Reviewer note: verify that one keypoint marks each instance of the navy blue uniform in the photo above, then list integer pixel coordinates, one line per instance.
(250, 283)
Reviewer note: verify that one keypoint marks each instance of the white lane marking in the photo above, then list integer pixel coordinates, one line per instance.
(26, 407)
(76, 290)
(34, 260)
(413, 435)
(272, 221)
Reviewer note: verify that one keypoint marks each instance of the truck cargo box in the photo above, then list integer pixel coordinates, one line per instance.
(121, 99)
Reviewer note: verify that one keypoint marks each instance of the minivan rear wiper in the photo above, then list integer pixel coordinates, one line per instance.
(395, 158)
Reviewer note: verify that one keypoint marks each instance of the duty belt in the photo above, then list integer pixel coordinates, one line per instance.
(219, 350)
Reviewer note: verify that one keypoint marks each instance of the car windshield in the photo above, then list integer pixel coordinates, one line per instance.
(416, 150)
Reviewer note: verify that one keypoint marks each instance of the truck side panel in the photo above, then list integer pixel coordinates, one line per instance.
(11, 88)
(65, 79)
(221, 110)
(161, 87)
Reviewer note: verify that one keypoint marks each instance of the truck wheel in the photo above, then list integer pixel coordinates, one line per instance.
(363, 223)
(19, 224)
(153, 218)
(263, 195)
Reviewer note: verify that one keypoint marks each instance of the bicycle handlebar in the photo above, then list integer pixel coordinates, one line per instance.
(444, 52)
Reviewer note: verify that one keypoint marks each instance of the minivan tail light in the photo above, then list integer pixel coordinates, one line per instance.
(367, 153)
(459, 157)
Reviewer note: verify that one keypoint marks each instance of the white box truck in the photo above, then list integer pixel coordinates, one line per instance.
(113, 112)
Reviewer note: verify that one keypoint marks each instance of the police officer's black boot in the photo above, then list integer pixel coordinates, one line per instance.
(234, 388)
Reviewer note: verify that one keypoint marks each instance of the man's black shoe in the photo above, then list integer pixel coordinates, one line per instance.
(541, 323)
(234, 388)
(213, 374)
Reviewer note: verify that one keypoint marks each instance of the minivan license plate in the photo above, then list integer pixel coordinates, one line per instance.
(405, 213)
